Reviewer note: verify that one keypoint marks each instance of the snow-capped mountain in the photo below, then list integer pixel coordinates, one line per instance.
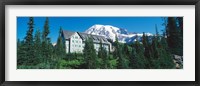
(111, 31)
(54, 44)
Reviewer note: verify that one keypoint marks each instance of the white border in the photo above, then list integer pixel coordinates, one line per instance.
(185, 74)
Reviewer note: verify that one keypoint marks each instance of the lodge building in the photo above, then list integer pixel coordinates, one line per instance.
(75, 41)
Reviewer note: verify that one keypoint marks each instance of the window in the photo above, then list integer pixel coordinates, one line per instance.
(76, 41)
(73, 41)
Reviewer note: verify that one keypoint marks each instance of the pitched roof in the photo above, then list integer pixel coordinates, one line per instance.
(84, 36)
(67, 34)
(96, 38)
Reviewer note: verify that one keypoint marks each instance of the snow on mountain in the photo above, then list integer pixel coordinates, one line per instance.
(111, 31)
(54, 44)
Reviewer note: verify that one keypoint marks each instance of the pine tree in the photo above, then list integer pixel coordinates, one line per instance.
(19, 52)
(28, 48)
(90, 54)
(133, 58)
(18, 43)
(162, 58)
(47, 47)
(103, 54)
(155, 53)
(120, 55)
(174, 35)
(180, 35)
(140, 61)
(60, 47)
(147, 50)
(46, 29)
(116, 44)
(180, 24)
(37, 46)
(37, 39)
(165, 60)
(146, 45)
(117, 54)
(29, 34)
(121, 63)
(126, 53)
(171, 32)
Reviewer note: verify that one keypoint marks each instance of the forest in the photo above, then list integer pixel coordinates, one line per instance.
(36, 51)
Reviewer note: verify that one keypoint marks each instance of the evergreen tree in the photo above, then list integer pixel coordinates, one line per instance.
(155, 45)
(126, 53)
(46, 29)
(171, 32)
(37, 46)
(60, 47)
(165, 59)
(90, 54)
(116, 45)
(174, 35)
(29, 34)
(46, 43)
(147, 50)
(146, 46)
(28, 48)
(18, 43)
(155, 53)
(121, 57)
(180, 24)
(119, 54)
(133, 58)
(37, 39)
(103, 54)
(162, 58)
(180, 35)
(19, 53)
(140, 61)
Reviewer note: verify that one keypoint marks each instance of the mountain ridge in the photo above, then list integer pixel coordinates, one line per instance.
(110, 32)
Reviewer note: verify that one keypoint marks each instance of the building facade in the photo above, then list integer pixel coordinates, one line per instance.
(75, 41)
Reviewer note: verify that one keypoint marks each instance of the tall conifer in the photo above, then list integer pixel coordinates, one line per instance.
(28, 48)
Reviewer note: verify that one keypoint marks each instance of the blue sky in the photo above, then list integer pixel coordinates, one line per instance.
(80, 24)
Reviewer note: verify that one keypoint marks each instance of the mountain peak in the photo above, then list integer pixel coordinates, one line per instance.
(100, 26)
(110, 32)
